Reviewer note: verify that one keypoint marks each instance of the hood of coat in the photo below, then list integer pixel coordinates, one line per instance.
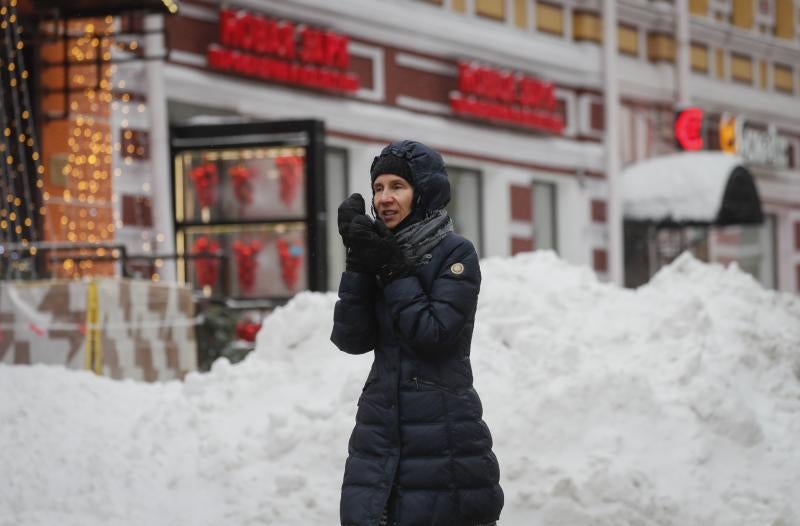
(431, 186)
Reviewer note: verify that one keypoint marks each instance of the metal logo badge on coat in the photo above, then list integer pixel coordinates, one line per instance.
(457, 268)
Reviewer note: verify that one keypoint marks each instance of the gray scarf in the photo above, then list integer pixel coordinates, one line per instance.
(418, 239)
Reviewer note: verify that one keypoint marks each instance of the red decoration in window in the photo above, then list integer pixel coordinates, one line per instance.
(246, 330)
(242, 183)
(246, 263)
(290, 168)
(291, 256)
(206, 181)
(689, 129)
(206, 269)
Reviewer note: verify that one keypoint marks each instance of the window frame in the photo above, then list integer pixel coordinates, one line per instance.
(479, 174)
(333, 281)
(553, 213)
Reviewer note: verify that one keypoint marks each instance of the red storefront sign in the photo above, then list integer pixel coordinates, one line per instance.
(280, 51)
(504, 96)
(689, 129)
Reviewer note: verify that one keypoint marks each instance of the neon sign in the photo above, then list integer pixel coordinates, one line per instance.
(281, 51)
(492, 94)
(689, 129)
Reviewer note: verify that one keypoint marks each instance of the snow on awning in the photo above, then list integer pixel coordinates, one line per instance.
(707, 188)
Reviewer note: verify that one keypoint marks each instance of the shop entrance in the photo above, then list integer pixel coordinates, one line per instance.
(706, 203)
(751, 247)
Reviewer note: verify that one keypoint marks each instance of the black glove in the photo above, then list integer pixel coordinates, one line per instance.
(376, 250)
(350, 208)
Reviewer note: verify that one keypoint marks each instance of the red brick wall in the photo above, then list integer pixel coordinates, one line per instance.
(599, 212)
(597, 116)
(363, 68)
(521, 203)
(797, 236)
(521, 244)
(600, 260)
(135, 144)
(137, 211)
(798, 278)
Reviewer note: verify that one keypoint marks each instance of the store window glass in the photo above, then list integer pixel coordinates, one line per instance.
(262, 260)
(751, 247)
(244, 197)
(249, 204)
(544, 216)
(465, 203)
(220, 185)
(336, 188)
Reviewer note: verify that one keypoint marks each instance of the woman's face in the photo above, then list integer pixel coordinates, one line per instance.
(393, 197)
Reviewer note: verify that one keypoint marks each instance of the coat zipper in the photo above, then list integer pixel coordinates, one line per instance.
(417, 381)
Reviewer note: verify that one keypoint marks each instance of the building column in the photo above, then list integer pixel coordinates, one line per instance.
(683, 60)
(159, 145)
(616, 272)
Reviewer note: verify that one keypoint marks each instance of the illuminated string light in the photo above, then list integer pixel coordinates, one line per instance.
(20, 198)
(85, 210)
(87, 206)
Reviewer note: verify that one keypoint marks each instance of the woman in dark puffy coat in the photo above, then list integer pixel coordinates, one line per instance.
(420, 453)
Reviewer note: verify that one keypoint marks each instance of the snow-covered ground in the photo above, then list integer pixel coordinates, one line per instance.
(678, 404)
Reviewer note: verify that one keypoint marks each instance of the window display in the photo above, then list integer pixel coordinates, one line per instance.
(248, 261)
(241, 184)
(242, 197)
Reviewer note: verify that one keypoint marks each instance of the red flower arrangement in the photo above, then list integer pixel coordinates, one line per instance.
(206, 269)
(242, 177)
(246, 263)
(206, 180)
(290, 168)
(290, 257)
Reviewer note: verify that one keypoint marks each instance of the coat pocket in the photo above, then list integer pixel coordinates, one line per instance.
(421, 384)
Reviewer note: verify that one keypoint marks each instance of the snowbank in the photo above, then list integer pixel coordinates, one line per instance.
(678, 403)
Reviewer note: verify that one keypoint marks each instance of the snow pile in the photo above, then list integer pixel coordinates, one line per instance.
(678, 403)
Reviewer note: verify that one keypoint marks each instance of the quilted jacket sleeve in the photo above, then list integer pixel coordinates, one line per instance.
(354, 323)
(430, 322)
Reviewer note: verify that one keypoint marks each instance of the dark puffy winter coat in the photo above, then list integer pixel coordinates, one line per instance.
(419, 433)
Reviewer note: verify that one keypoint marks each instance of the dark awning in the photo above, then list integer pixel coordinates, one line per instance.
(691, 188)
(92, 8)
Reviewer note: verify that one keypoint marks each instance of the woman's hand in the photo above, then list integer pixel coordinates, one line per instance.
(377, 251)
(350, 208)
